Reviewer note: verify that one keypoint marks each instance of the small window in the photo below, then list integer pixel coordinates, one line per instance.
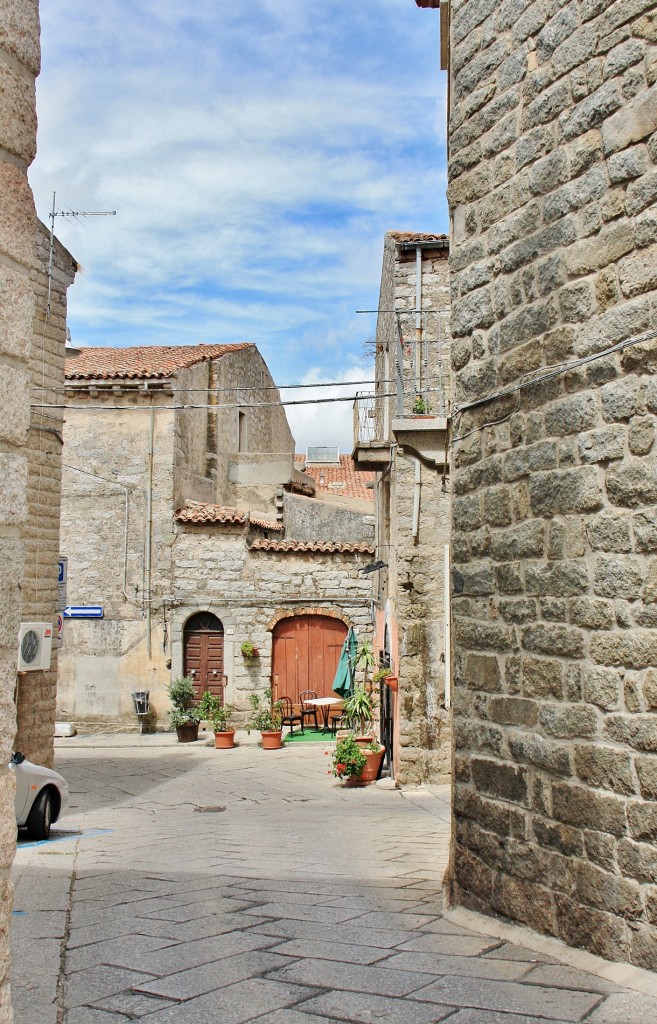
(241, 431)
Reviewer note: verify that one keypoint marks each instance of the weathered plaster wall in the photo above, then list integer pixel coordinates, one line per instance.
(19, 65)
(105, 487)
(37, 691)
(311, 518)
(553, 188)
(215, 571)
(195, 458)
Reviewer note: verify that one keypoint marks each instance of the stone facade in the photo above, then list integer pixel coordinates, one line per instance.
(225, 465)
(19, 66)
(251, 590)
(553, 199)
(412, 500)
(131, 460)
(37, 691)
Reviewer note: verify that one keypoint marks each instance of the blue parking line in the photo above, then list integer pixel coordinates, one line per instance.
(87, 834)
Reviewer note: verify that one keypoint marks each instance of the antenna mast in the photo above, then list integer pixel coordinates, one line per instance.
(63, 213)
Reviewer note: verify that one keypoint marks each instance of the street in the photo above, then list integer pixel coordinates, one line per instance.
(190, 885)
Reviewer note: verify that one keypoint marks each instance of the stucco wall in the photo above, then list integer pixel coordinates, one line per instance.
(553, 186)
(37, 692)
(105, 488)
(19, 64)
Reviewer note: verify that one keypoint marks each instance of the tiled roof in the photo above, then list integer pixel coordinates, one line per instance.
(343, 479)
(266, 524)
(312, 547)
(144, 362)
(196, 512)
(415, 236)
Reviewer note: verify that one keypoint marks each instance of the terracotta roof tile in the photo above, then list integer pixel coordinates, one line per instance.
(312, 547)
(144, 362)
(343, 479)
(415, 236)
(197, 513)
(266, 524)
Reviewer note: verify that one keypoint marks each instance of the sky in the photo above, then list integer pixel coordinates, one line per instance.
(256, 153)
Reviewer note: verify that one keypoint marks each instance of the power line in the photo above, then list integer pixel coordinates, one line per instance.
(81, 384)
(207, 405)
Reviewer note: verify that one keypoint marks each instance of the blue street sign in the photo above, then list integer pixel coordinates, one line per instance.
(89, 611)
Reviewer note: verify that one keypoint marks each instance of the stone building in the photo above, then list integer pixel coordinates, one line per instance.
(36, 692)
(19, 66)
(179, 464)
(553, 201)
(401, 433)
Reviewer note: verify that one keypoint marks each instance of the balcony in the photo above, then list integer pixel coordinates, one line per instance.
(381, 421)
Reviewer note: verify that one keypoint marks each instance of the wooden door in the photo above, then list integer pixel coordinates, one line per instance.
(204, 654)
(306, 651)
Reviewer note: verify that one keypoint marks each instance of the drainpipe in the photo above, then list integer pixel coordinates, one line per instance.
(416, 501)
(418, 319)
(448, 627)
(149, 521)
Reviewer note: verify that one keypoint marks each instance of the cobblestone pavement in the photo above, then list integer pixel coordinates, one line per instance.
(248, 885)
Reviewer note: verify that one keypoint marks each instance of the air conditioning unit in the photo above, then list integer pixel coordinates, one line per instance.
(34, 646)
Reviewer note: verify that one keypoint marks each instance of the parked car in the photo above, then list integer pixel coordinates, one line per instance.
(41, 796)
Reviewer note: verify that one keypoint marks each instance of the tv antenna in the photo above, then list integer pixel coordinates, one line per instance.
(66, 213)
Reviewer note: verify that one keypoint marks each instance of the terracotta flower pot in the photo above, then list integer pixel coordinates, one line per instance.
(392, 682)
(187, 733)
(364, 741)
(272, 740)
(224, 740)
(353, 781)
(371, 770)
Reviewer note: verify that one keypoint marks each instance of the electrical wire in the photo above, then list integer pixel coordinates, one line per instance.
(527, 382)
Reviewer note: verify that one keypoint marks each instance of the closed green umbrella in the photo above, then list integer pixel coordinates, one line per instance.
(346, 671)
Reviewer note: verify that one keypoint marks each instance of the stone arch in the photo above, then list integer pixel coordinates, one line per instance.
(288, 613)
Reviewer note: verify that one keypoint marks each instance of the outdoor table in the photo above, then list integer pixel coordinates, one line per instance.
(324, 704)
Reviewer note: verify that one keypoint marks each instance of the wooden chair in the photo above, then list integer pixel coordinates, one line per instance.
(308, 712)
(288, 717)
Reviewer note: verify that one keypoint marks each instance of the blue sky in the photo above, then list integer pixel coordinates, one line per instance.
(255, 153)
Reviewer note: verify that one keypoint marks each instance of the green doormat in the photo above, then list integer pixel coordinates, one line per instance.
(309, 736)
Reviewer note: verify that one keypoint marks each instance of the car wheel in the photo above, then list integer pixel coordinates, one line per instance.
(40, 817)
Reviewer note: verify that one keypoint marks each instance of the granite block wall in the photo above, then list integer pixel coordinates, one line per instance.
(19, 66)
(553, 199)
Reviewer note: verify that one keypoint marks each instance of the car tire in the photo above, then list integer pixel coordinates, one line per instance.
(40, 817)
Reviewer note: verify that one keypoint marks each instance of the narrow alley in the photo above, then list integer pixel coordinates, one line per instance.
(192, 885)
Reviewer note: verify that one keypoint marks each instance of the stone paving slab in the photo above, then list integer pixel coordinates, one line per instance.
(300, 903)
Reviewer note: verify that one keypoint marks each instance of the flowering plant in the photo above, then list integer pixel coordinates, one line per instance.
(348, 758)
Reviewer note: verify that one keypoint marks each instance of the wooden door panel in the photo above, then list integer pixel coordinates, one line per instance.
(204, 661)
(305, 655)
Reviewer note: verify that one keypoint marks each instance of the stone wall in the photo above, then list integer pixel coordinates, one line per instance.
(37, 691)
(410, 591)
(309, 518)
(19, 65)
(215, 571)
(552, 190)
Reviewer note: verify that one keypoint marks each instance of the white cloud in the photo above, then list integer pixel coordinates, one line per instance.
(255, 155)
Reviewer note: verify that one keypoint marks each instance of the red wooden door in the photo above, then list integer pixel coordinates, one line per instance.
(305, 655)
(204, 654)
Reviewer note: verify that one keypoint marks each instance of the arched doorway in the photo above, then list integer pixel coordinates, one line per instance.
(204, 654)
(305, 654)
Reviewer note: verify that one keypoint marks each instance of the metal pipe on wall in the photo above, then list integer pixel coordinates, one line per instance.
(416, 500)
(448, 631)
(149, 523)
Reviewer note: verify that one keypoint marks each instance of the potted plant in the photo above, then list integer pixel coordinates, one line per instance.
(385, 673)
(218, 715)
(348, 761)
(184, 717)
(248, 650)
(267, 720)
(373, 752)
(365, 660)
(358, 712)
(421, 406)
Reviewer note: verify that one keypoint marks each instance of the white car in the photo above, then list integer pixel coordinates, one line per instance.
(41, 796)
